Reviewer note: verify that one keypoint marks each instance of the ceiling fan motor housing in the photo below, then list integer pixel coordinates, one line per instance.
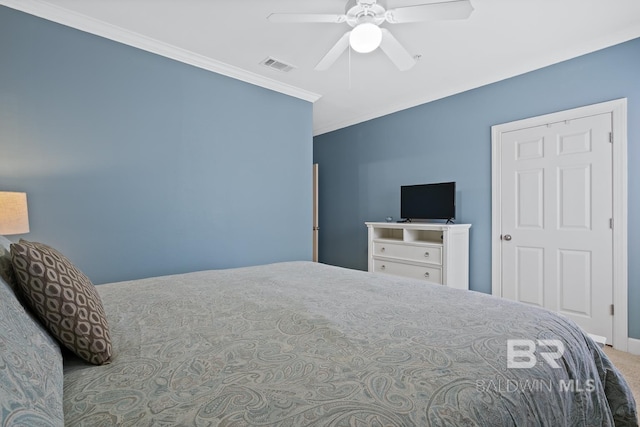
(360, 11)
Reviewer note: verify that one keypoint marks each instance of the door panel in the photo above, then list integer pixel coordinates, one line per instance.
(530, 196)
(574, 282)
(574, 197)
(530, 275)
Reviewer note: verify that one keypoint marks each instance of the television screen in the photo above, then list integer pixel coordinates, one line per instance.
(428, 201)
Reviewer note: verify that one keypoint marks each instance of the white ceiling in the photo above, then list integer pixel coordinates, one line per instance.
(501, 39)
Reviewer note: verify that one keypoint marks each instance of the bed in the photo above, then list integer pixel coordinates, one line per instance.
(307, 344)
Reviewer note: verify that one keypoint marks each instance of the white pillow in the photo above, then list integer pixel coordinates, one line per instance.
(30, 363)
(6, 270)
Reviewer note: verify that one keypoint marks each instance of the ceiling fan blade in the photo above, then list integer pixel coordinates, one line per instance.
(395, 51)
(458, 9)
(292, 18)
(334, 53)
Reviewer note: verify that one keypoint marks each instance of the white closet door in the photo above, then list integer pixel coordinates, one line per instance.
(557, 241)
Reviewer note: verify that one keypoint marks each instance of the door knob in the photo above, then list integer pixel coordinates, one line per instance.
(507, 237)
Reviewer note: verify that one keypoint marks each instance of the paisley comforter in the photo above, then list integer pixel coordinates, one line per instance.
(305, 344)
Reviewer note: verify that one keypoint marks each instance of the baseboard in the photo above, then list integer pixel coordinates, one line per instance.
(634, 346)
(600, 340)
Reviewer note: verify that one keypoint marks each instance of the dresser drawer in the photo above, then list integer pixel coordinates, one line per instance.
(432, 274)
(420, 253)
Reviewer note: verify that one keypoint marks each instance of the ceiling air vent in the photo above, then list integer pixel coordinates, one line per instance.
(277, 65)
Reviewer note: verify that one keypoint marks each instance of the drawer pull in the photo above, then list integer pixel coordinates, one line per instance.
(382, 249)
(382, 267)
(426, 254)
(426, 274)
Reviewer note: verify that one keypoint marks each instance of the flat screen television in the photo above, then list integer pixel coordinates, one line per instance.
(428, 201)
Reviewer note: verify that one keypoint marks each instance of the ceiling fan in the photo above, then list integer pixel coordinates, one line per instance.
(366, 16)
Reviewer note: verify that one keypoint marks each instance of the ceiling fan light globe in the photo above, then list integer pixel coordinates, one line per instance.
(365, 38)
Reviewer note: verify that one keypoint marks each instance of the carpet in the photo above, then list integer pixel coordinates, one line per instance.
(629, 365)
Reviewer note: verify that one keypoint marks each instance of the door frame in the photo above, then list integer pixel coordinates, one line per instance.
(618, 110)
(316, 228)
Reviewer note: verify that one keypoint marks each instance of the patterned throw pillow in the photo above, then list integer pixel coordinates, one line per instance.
(64, 299)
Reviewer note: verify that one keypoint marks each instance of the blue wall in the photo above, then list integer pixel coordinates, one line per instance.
(136, 165)
(363, 166)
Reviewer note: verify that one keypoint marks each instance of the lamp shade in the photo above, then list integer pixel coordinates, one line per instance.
(365, 37)
(14, 218)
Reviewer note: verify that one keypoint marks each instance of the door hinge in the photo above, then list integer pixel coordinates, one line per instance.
(611, 309)
(611, 137)
(611, 223)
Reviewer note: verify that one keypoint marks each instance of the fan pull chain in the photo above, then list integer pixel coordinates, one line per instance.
(349, 67)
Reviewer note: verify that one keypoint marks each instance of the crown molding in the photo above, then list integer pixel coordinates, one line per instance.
(81, 22)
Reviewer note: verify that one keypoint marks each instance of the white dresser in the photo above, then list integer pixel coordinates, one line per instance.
(435, 252)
